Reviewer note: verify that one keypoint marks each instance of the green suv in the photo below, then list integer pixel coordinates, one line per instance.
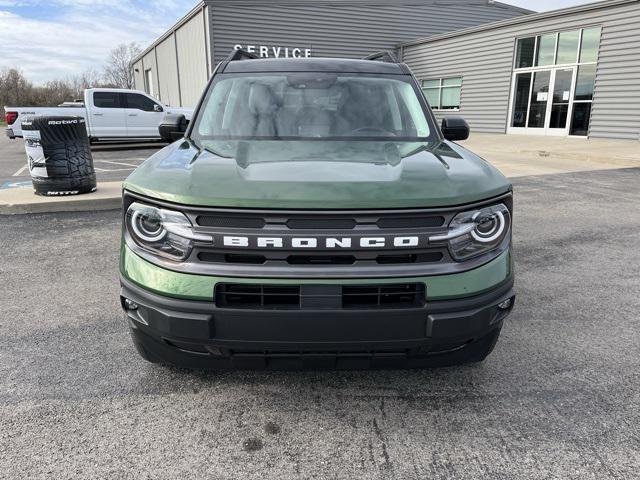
(313, 215)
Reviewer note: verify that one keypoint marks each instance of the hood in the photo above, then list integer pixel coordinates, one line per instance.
(317, 175)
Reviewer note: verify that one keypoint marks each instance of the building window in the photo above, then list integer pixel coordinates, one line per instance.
(443, 93)
(526, 52)
(148, 81)
(546, 51)
(561, 48)
(590, 45)
(554, 81)
(568, 43)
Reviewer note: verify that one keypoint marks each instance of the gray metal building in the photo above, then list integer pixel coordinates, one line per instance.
(574, 71)
(175, 67)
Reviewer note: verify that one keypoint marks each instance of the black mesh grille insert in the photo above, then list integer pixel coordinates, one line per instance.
(230, 221)
(231, 258)
(384, 296)
(256, 259)
(321, 260)
(410, 222)
(257, 296)
(321, 223)
(430, 257)
(287, 297)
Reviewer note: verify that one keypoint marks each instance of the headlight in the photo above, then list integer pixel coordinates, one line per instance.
(476, 232)
(163, 232)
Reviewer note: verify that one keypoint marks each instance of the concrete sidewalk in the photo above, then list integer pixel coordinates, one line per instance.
(21, 200)
(525, 155)
(514, 155)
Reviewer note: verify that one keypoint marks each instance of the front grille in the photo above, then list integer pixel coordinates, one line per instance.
(304, 297)
(327, 231)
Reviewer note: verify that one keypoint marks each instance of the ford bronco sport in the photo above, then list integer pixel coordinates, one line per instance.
(313, 215)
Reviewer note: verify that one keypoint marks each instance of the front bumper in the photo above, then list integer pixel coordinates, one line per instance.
(197, 334)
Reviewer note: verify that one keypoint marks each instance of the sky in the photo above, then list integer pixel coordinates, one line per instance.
(49, 39)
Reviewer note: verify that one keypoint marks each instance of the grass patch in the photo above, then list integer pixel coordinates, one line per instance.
(3, 123)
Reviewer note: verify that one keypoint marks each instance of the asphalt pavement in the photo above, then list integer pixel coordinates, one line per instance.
(558, 399)
(112, 161)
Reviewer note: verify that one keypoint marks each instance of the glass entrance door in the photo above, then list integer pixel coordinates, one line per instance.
(542, 101)
(539, 99)
(560, 101)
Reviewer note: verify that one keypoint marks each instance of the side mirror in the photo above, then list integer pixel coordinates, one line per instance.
(172, 127)
(455, 128)
(157, 108)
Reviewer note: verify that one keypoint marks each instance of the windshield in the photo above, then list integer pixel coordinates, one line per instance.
(312, 106)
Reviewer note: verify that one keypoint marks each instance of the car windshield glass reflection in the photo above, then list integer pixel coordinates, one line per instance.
(247, 152)
(312, 106)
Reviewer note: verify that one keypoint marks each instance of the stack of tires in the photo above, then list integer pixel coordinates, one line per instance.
(59, 155)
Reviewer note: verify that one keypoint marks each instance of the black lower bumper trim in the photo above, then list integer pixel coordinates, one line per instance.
(199, 334)
(158, 351)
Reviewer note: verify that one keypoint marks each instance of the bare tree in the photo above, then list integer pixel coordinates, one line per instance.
(89, 79)
(16, 90)
(14, 87)
(117, 71)
(53, 92)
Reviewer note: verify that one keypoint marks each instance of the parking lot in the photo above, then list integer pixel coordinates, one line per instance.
(112, 161)
(558, 398)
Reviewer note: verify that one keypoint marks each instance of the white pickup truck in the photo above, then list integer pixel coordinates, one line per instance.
(110, 113)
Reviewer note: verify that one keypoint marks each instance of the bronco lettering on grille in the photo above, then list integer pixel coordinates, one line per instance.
(324, 242)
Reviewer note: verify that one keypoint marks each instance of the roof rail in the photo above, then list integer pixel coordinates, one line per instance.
(382, 56)
(240, 54)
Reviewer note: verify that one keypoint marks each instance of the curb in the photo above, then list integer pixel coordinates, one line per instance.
(22, 200)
